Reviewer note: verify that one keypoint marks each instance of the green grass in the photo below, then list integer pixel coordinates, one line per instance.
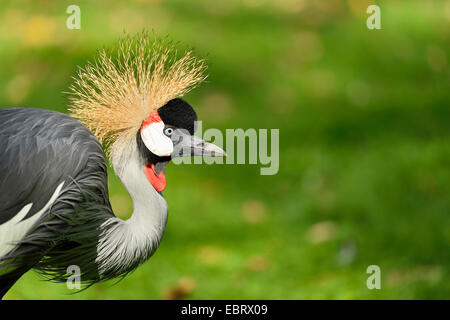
(364, 119)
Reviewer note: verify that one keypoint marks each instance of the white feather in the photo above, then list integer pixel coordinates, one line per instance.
(155, 139)
(14, 229)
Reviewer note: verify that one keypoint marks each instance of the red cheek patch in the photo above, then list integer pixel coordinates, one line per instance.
(158, 181)
(154, 117)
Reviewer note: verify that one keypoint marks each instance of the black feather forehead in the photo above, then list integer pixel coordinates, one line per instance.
(178, 113)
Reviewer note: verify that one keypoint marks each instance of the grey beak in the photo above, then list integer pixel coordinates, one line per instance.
(186, 145)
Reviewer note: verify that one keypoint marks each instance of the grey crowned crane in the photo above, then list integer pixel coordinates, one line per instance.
(54, 206)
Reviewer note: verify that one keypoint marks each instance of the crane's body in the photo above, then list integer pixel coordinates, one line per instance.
(54, 204)
(69, 208)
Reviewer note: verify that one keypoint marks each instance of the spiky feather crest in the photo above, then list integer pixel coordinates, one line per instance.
(113, 95)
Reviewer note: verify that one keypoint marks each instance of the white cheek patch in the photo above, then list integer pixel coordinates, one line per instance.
(155, 140)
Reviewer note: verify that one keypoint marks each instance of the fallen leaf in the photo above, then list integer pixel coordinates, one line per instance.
(257, 263)
(180, 290)
(321, 232)
(210, 255)
(253, 211)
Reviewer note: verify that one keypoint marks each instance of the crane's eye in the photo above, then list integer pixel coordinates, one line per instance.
(168, 131)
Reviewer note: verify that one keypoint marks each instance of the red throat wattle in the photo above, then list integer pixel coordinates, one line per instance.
(158, 181)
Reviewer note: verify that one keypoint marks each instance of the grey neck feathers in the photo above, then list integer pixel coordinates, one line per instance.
(126, 244)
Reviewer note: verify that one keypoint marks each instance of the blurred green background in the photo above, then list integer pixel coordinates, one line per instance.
(364, 144)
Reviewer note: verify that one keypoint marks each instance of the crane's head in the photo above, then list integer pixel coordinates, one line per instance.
(130, 98)
(169, 133)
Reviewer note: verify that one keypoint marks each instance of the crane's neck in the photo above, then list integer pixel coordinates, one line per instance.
(126, 244)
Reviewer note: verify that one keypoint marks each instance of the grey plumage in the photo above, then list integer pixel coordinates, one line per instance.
(54, 147)
(39, 150)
